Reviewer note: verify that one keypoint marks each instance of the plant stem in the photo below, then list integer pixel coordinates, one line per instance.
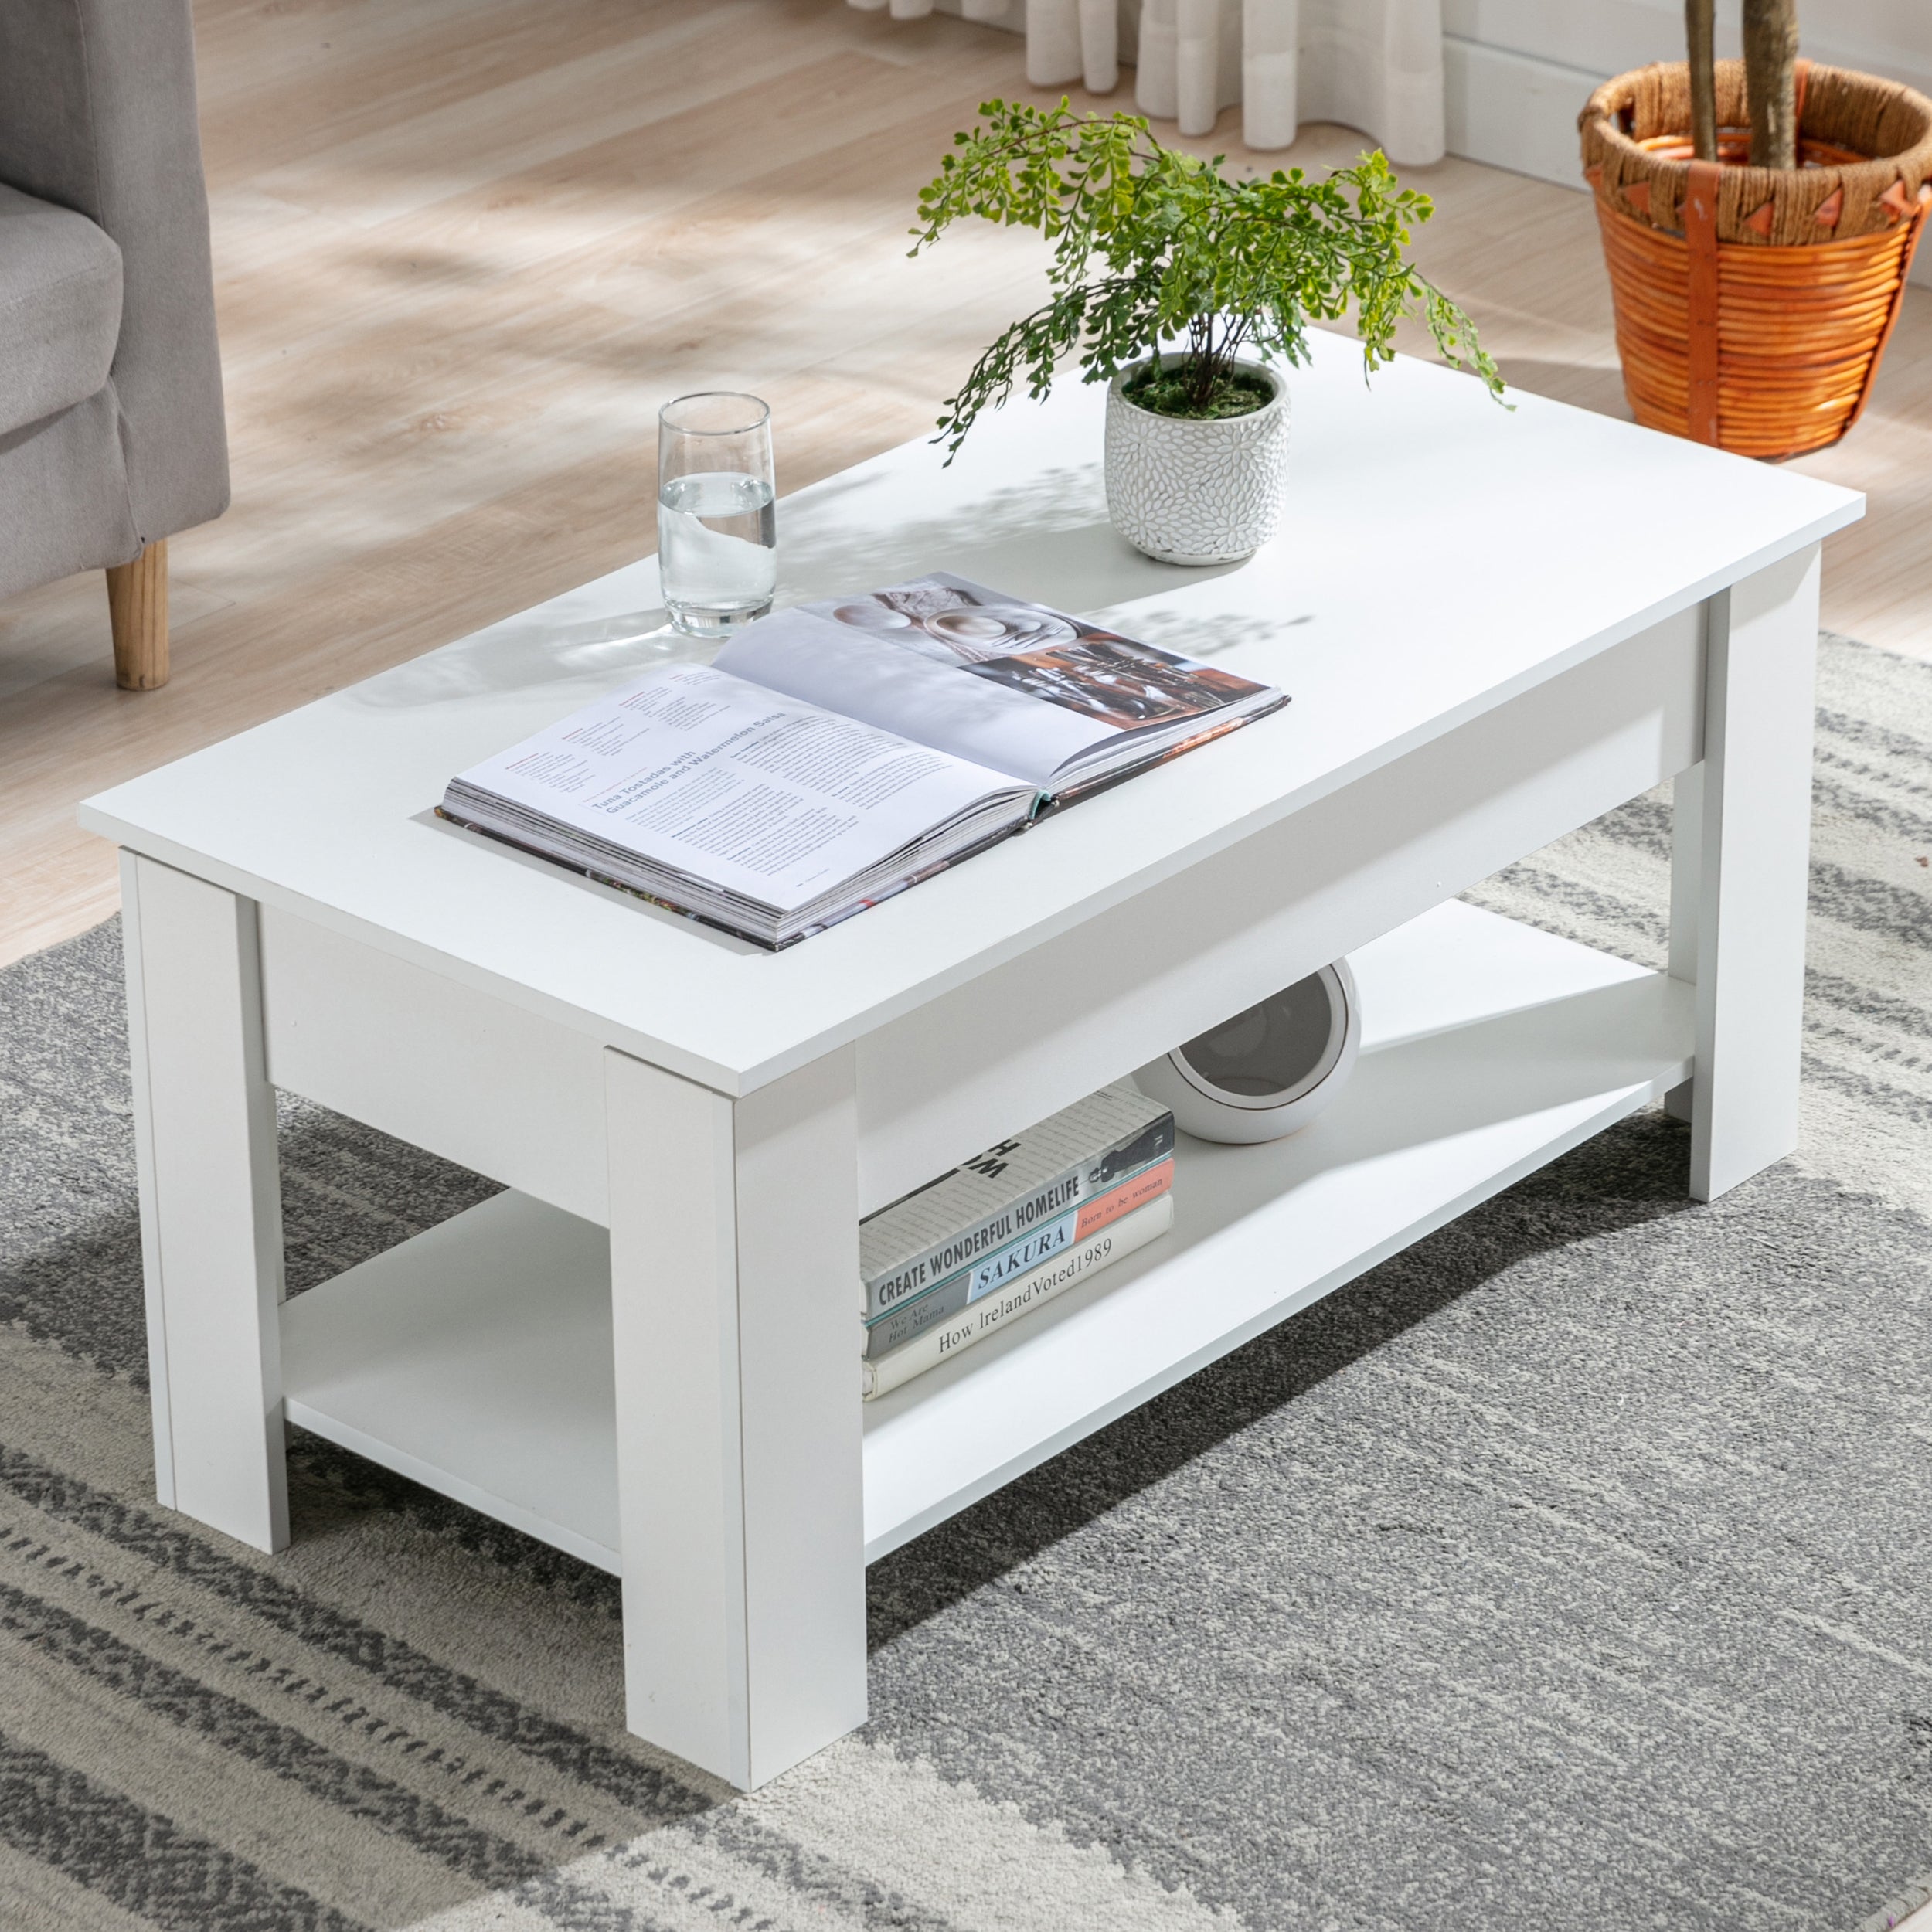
(1770, 80)
(1700, 33)
(1202, 372)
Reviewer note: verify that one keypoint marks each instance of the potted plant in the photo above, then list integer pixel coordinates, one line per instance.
(1758, 218)
(1153, 247)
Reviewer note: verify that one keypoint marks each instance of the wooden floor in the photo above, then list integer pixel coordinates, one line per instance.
(464, 249)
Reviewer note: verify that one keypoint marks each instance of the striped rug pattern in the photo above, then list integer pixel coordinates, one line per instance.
(1868, 1049)
(1567, 1567)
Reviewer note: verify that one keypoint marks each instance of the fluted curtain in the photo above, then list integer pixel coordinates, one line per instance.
(1372, 64)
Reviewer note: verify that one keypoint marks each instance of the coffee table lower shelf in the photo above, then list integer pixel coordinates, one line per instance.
(476, 1358)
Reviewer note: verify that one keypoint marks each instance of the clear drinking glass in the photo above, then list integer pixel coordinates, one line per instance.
(717, 530)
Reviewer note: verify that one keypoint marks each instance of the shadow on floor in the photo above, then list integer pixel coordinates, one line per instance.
(1635, 1173)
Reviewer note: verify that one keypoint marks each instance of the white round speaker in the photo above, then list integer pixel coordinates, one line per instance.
(1268, 1071)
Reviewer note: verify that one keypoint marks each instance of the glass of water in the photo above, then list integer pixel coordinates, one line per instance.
(717, 530)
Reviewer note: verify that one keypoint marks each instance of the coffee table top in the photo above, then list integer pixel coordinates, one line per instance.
(1437, 556)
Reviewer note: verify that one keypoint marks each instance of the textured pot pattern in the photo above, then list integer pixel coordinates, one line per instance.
(1196, 492)
(1866, 145)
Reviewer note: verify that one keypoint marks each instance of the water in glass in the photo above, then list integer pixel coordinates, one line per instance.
(717, 544)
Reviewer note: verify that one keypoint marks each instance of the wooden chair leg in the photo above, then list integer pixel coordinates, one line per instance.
(137, 608)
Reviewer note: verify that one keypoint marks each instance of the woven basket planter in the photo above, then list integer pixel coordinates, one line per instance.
(1753, 303)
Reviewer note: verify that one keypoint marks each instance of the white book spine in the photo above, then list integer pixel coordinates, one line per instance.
(1020, 1297)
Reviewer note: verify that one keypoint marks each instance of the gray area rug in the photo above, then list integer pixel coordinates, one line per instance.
(1569, 1568)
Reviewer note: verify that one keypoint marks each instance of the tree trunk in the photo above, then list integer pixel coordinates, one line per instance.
(1770, 80)
(1700, 31)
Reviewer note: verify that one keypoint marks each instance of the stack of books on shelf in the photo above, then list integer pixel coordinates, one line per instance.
(995, 1238)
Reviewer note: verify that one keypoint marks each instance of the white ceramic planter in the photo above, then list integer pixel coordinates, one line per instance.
(1196, 492)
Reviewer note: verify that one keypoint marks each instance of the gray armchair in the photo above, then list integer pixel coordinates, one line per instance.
(111, 434)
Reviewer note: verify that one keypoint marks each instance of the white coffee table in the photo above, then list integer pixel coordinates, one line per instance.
(1495, 626)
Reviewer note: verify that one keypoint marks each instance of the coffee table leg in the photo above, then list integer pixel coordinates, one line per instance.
(1686, 884)
(734, 1286)
(211, 1228)
(1739, 874)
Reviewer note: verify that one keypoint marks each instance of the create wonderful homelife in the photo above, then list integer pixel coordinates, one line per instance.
(1001, 1229)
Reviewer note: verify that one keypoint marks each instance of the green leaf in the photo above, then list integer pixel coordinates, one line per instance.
(1150, 244)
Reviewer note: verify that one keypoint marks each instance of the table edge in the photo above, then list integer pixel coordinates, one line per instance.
(95, 815)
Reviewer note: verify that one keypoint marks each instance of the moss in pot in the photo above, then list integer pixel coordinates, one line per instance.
(1180, 391)
(1164, 269)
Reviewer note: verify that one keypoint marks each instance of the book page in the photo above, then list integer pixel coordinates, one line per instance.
(756, 793)
(809, 655)
(984, 675)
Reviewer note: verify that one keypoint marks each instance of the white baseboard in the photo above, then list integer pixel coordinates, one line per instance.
(1513, 111)
(1013, 18)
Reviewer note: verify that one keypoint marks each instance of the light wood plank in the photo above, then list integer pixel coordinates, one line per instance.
(464, 248)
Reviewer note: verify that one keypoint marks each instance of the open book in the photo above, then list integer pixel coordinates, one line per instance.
(835, 754)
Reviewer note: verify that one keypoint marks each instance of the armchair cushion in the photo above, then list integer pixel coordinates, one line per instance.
(60, 307)
(97, 116)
